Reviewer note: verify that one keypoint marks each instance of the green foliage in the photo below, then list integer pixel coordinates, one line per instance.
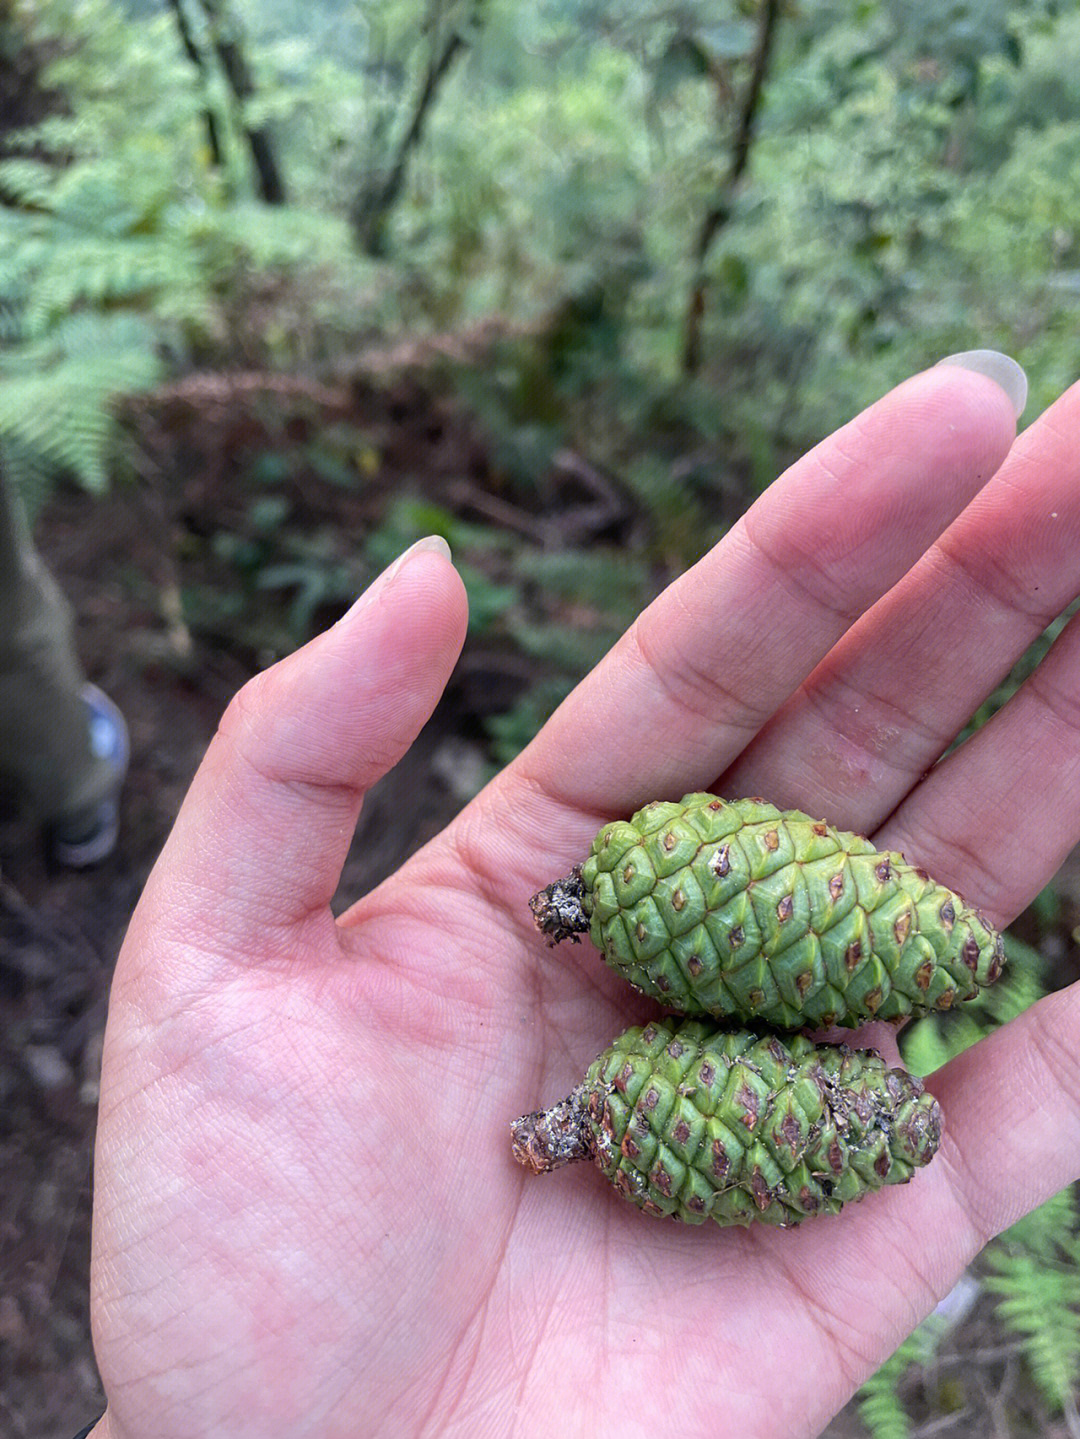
(888, 229)
(912, 190)
(614, 586)
(55, 393)
(280, 580)
(1035, 1268)
(573, 607)
(119, 253)
(411, 519)
(1046, 1234)
(579, 145)
(879, 1404)
(510, 732)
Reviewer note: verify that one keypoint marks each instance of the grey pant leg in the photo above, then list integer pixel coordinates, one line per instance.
(45, 754)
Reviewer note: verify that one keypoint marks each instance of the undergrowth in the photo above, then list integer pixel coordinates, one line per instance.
(1029, 1284)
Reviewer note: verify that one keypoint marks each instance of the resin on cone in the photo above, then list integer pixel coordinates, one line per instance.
(739, 910)
(697, 1122)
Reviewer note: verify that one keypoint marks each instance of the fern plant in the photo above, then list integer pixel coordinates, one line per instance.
(1035, 1269)
(83, 250)
(880, 1406)
(55, 393)
(119, 252)
(879, 1403)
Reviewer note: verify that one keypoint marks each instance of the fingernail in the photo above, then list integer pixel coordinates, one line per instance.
(434, 543)
(1002, 369)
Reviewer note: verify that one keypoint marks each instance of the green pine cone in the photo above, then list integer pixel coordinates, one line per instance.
(737, 909)
(698, 1122)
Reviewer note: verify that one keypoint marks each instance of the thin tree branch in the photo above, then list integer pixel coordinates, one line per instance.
(720, 211)
(374, 204)
(198, 60)
(225, 36)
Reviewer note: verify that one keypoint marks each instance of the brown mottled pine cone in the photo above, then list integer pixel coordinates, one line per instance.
(698, 1122)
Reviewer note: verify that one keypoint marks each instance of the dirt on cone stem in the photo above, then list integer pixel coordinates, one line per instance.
(548, 1139)
(558, 909)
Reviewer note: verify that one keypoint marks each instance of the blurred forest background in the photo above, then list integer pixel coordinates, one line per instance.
(285, 286)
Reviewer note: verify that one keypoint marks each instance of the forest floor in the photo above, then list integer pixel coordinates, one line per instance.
(124, 560)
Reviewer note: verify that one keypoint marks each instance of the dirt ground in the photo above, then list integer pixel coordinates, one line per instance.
(125, 561)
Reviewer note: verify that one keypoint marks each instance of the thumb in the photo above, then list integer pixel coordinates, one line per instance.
(259, 843)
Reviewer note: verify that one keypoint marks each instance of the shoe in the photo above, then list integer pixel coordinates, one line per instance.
(88, 837)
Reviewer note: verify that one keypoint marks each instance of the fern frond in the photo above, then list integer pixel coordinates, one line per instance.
(30, 474)
(1047, 1231)
(270, 236)
(1039, 1302)
(27, 183)
(98, 272)
(880, 1407)
(62, 418)
(879, 1403)
(610, 580)
(55, 397)
(64, 135)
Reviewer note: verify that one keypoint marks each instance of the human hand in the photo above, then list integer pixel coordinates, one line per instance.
(307, 1218)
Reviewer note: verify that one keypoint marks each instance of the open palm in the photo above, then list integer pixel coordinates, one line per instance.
(307, 1218)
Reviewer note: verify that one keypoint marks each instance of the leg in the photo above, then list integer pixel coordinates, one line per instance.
(47, 752)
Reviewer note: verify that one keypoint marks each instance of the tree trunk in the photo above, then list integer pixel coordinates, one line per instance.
(226, 37)
(720, 212)
(198, 60)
